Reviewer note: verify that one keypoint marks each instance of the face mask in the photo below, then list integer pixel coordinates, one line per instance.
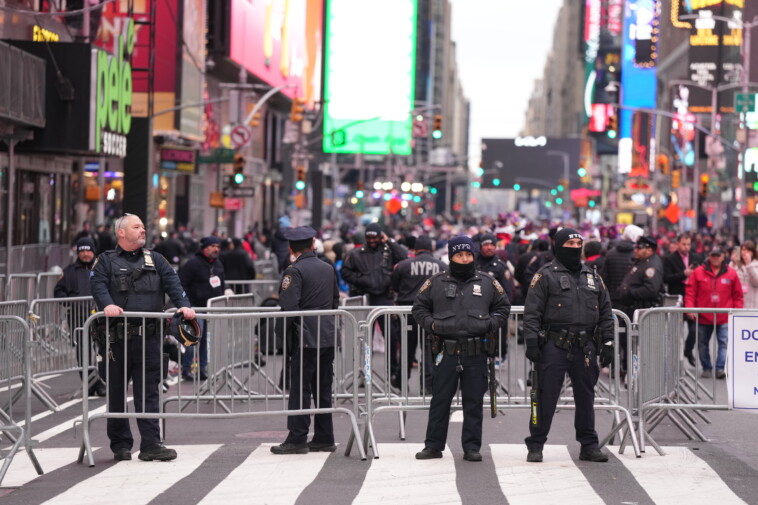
(570, 257)
(462, 270)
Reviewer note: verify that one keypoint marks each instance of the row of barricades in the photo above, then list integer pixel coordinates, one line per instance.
(248, 368)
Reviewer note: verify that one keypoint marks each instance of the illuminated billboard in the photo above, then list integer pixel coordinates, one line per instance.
(370, 65)
(279, 41)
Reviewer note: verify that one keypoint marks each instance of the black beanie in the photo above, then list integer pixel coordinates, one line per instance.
(565, 234)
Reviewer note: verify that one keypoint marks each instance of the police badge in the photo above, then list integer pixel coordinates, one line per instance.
(286, 281)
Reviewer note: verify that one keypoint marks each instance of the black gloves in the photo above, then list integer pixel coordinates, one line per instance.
(606, 353)
(533, 353)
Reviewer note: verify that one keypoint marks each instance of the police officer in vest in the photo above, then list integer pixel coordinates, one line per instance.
(407, 278)
(567, 316)
(308, 284)
(642, 286)
(134, 279)
(464, 309)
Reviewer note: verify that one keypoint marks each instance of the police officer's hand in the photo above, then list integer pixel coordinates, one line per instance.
(533, 353)
(606, 354)
(187, 312)
(112, 310)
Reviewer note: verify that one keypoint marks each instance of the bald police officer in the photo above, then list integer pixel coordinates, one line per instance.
(567, 314)
(132, 278)
(308, 284)
(464, 309)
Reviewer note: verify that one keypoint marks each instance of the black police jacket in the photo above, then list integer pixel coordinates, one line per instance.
(643, 285)
(196, 277)
(616, 265)
(74, 281)
(475, 307)
(310, 284)
(409, 275)
(369, 271)
(561, 300)
(497, 269)
(129, 280)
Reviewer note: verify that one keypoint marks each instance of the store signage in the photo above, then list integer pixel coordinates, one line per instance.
(182, 160)
(40, 34)
(111, 113)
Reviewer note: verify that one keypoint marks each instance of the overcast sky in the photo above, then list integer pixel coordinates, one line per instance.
(501, 49)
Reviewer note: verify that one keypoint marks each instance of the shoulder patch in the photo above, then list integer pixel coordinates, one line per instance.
(535, 280)
(286, 282)
(650, 273)
(498, 287)
(424, 286)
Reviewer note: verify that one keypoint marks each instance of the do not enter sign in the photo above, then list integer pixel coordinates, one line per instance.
(240, 136)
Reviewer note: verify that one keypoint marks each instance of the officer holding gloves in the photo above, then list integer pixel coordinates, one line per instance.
(463, 309)
(567, 317)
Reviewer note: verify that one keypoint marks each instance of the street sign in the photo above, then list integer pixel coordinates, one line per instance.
(241, 135)
(744, 101)
(230, 192)
(420, 128)
(219, 155)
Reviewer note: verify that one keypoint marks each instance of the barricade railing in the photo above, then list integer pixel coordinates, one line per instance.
(261, 289)
(235, 345)
(2, 287)
(15, 377)
(17, 308)
(56, 326)
(391, 387)
(267, 270)
(666, 388)
(46, 282)
(21, 287)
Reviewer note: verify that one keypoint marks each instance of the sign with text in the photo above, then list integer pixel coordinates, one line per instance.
(178, 159)
(742, 365)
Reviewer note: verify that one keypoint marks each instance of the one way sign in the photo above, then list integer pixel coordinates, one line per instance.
(239, 192)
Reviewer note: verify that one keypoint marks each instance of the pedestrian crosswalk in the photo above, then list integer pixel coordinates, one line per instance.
(396, 477)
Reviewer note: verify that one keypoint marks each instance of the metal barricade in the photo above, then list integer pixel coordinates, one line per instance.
(46, 282)
(15, 381)
(249, 395)
(664, 387)
(267, 270)
(2, 288)
(17, 308)
(261, 289)
(513, 376)
(56, 326)
(21, 287)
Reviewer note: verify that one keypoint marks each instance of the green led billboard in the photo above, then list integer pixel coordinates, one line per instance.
(369, 81)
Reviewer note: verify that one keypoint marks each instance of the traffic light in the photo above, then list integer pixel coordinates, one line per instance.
(704, 184)
(611, 130)
(300, 175)
(437, 128)
(297, 110)
(676, 178)
(239, 169)
(255, 120)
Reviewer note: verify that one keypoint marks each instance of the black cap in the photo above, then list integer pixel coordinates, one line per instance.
(647, 241)
(564, 234)
(299, 233)
(423, 243)
(85, 244)
(186, 331)
(487, 237)
(716, 251)
(373, 230)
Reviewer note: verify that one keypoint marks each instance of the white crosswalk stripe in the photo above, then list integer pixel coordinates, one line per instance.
(396, 477)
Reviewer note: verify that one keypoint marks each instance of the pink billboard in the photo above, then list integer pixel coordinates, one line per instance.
(279, 41)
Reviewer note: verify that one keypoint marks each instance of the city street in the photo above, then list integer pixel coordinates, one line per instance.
(228, 461)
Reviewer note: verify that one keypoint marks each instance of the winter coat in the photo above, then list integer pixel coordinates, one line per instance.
(709, 289)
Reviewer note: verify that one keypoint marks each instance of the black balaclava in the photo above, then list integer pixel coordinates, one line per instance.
(570, 257)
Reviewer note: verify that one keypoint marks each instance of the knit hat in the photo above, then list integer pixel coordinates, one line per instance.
(593, 248)
(85, 244)
(373, 230)
(459, 244)
(487, 237)
(564, 234)
(208, 241)
(632, 233)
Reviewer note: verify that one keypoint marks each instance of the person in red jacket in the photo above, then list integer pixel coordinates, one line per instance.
(713, 285)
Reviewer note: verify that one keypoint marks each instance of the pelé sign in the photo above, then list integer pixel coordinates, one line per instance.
(111, 95)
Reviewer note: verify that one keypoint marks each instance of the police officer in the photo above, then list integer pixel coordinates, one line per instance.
(75, 282)
(132, 278)
(464, 309)
(407, 278)
(566, 315)
(309, 284)
(643, 284)
(368, 270)
(487, 261)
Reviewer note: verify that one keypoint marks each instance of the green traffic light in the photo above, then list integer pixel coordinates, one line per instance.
(611, 134)
(239, 178)
(517, 187)
(591, 203)
(437, 134)
(359, 194)
(548, 204)
(755, 186)
(496, 182)
(476, 184)
(560, 187)
(582, 172)
(559, 201)
(553, 192)
(300, 185)
(433, 191)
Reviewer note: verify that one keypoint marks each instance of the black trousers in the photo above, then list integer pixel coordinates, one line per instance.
(691, 340)
(144, 369)
(552, 367)
(414, 341)
(317, 370)
(473, 382)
